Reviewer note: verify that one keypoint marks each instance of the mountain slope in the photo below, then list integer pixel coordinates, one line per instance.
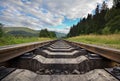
(60, 35)
(20, 31)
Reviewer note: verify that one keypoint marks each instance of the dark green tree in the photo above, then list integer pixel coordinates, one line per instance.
(104, 21)
(46, 33)
(112, 18)
(116, 3)
(52, 34)
(104, 6)
(1, 29)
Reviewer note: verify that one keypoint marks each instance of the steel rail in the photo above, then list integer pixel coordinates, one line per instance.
(7, 53)
(13, 51)
(112, 54)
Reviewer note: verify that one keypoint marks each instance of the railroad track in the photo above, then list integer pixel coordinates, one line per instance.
(59, 60)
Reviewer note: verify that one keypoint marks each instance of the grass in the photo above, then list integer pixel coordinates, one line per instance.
(9, 40)
(112, 41)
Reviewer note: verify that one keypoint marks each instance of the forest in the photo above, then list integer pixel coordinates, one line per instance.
(103, 21)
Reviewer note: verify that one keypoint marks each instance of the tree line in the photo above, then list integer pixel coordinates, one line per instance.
(46, 33)
(42, 33)
(1, 29)
(104, 21)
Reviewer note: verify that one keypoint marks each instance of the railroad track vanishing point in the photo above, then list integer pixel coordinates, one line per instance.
(59, 60)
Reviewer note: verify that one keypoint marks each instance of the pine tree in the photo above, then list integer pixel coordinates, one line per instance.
(102, 22)
(104, 6)
(46, 33)
(116, 3)
(97, 10)
(1, 29)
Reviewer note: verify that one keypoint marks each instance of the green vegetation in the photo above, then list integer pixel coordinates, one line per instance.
(60, 35)
(21, 31)
(14, 35)
(46, 33)
(102, 28)
(1, 29)
(8, 29)
(102, 40)
(9, 40)
(104, 21)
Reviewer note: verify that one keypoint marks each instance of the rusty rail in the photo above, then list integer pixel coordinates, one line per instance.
(10, 52)
(112, 54)
(7, 53)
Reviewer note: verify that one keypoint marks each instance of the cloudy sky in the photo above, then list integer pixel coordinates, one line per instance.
(55, 15)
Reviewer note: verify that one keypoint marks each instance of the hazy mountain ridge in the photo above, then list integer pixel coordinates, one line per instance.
(20, 31)
(23, 31)
(60, 35)
(7, 29)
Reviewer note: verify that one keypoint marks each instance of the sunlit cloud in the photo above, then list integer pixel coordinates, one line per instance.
(50, 14)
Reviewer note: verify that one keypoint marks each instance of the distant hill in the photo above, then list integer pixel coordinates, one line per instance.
(20, 31)
(60, 35)
(7, 29)
(23, 31)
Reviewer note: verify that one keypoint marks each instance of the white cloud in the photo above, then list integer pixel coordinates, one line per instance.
(64, 30)
(38, 14)
(71, 8)
(110, 3)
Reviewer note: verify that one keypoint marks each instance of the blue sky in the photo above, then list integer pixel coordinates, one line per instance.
(55, 15)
